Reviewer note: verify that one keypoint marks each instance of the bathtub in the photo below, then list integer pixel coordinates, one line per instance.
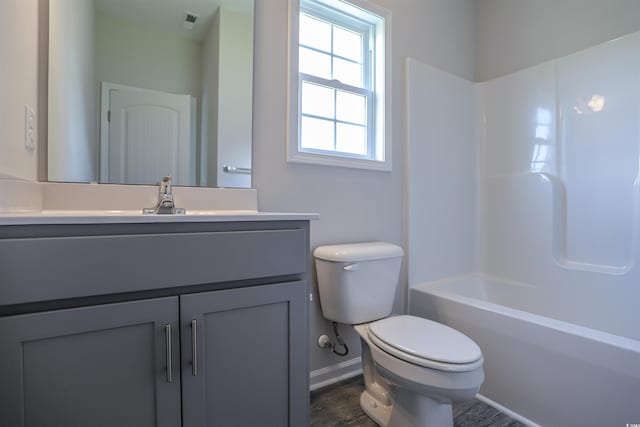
(539, 368)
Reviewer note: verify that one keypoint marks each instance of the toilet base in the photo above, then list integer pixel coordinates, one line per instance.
(375, 410)
(407, 410)
(416, 410)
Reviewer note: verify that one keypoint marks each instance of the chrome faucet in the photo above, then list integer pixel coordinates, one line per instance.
(165, 204)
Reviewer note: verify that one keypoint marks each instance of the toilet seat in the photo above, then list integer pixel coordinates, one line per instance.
(425, 343)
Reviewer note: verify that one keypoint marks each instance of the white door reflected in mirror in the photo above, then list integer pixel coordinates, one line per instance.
(149, 134)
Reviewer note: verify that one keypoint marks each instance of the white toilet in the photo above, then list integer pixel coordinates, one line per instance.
(413, 368)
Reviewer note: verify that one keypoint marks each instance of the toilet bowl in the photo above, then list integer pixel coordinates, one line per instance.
(414, 368)
(414, 374)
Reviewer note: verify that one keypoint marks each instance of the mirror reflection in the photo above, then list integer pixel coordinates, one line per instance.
(139, 89)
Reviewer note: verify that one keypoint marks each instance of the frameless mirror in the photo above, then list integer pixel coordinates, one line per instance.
(139, 89)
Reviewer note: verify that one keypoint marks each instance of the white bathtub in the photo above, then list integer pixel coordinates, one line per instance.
(539, 368)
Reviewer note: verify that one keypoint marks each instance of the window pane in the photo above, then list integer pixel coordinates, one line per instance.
(315, 63)
(318, 100)
(351, 107)
(347, 43)
(351, 139)
(316, 134)
(315, 33)
(347, 72)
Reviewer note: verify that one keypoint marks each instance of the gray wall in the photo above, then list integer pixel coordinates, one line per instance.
(354, 205)
(235, 67)
(144, 57)
(18, 85)
(210, 90)
(515, 34)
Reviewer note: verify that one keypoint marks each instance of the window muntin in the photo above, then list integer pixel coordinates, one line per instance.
(335, 75)
(358, 44)
(333, 51)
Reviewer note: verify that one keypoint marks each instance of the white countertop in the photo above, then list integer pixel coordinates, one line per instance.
(26, 203)
(121, 217)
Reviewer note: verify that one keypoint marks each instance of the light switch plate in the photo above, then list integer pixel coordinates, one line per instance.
(29, 128)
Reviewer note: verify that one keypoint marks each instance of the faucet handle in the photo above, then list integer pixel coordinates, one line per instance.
(165, 204)
(165, 185)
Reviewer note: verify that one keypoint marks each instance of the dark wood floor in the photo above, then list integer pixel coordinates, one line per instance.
(339, 405)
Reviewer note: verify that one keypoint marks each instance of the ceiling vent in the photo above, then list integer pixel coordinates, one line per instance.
(190, 19)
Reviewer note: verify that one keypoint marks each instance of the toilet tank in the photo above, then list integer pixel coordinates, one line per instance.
(357, 282)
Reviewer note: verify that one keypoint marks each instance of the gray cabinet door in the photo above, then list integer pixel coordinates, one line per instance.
(250, 348)
(94, 366)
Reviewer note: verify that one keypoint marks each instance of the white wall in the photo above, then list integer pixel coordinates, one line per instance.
(515, 34)
(354, 205)
(18, 85)
(235, 67)
(73, 93)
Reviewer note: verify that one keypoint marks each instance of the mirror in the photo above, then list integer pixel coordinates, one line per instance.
(139, 89)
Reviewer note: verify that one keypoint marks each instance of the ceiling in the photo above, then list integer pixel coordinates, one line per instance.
(168, 15)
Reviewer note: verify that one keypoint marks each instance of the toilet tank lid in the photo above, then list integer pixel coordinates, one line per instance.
(353, 252)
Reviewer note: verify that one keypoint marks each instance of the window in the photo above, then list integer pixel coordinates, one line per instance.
(339, 86)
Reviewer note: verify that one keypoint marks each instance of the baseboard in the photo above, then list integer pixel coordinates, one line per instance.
(335, 373)
(507, 411)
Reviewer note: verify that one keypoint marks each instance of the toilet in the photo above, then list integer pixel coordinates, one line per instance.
(413, 368)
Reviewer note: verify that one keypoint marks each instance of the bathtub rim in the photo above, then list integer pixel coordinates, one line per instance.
(438, 288)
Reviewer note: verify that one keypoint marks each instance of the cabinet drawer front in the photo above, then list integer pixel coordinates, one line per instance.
(39, 269)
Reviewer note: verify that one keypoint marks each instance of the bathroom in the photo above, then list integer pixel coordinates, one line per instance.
(471, 40)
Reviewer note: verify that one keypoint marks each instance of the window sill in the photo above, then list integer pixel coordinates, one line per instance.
(337, 161)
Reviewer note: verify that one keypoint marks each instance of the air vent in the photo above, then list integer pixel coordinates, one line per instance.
(190, 19)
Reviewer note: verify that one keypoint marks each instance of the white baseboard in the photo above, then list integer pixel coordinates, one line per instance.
(332, 374)
(507, 411)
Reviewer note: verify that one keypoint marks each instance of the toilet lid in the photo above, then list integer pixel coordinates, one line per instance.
(424, 339)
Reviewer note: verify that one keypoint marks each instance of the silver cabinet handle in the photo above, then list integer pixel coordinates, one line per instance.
(194, 347)
(167, 336)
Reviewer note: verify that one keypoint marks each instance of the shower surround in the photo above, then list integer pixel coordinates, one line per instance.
(523, 228)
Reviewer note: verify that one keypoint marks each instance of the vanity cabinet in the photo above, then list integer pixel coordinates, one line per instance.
(218, 352)
(92, 366)
(248, 345)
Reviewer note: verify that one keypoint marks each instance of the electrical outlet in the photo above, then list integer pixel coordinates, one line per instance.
(30, 128)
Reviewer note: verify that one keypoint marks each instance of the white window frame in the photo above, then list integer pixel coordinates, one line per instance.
(379, 87)
(367, 30)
